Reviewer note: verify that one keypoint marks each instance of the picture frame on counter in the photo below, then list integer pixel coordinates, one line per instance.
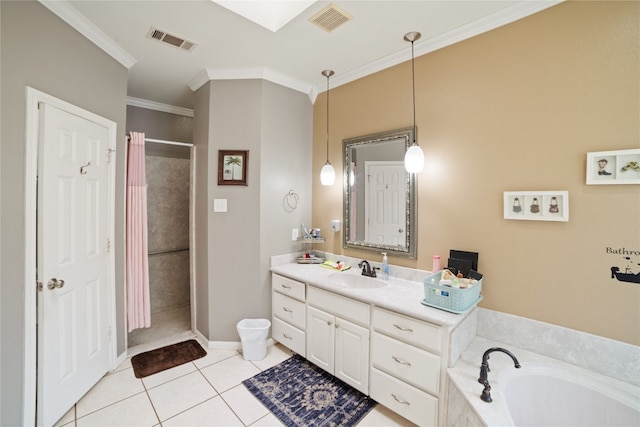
(613, 167)
(536, 205)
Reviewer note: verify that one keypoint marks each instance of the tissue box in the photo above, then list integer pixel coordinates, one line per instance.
(450, 299)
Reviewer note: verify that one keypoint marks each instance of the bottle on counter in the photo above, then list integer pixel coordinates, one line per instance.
(436, 264)
(385, 266)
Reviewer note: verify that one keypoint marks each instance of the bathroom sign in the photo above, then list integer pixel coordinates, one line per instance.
(627, 266)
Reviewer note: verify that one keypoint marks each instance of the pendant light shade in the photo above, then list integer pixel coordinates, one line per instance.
(414, 157)
(327, 174)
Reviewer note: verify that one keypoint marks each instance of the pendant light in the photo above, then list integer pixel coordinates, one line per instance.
(327, 174)
(414, 157)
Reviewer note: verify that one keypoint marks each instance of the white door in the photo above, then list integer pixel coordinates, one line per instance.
(73, 263)
(385, 201)
(352, 355)
(320, 338)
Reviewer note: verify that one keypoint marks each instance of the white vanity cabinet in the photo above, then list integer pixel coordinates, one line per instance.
(406, 366)
(289, 313)
(338, 337)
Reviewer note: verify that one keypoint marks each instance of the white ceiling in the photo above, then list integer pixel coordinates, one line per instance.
(231, 46)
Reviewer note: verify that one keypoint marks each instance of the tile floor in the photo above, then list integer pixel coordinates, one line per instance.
(205, 392)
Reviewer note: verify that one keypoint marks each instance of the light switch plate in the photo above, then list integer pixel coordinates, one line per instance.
(219, 205)
(294, 234)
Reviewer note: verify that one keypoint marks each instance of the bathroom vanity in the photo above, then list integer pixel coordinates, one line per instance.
(374, 335)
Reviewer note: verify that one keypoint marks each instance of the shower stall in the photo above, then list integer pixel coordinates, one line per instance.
(168, 174)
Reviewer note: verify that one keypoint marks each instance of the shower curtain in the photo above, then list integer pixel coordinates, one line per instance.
(138, 301)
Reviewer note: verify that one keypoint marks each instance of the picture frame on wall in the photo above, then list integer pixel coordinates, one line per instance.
(232, 167)
(536, 205)
(613, 167)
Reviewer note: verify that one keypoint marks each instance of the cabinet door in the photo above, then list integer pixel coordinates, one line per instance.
(320, 338)
(352, 355)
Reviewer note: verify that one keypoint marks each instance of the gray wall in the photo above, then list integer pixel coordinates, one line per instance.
(41, 51)
(159, 124)
(274, 123)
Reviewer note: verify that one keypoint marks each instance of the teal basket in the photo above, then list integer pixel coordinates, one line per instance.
(450, 299)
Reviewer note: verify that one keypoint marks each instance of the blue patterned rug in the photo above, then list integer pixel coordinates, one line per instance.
(299, 393)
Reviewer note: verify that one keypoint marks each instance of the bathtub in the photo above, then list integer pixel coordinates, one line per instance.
(544, 392)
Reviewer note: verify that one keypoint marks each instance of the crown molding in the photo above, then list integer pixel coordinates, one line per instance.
(158, 106)
(268, 74)
(80, 23)
(496, 20)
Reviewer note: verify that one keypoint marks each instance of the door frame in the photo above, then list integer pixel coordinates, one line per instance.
(30, 379)
(192, 243)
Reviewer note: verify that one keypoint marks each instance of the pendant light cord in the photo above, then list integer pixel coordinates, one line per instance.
(413, 80)
(328, 119)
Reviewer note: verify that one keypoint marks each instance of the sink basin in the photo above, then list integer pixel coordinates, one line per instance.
(356, 282)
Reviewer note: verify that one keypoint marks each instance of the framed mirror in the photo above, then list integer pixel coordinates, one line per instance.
(379, 195)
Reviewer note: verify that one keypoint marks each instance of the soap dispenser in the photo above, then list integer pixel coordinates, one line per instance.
(385, 266)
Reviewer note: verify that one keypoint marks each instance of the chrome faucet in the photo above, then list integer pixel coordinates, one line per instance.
(484, 371)
(366, 268)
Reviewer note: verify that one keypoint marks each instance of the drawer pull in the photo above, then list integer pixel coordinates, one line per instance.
(285, 286)
(403, 328)
(329, 323)
(287, 336)
(288, 310)
(400, 361)
(400, 401)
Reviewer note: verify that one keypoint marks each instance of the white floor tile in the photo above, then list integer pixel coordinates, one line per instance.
(134, 411)
(275, 354)
(269, 420)
(244, 404)
(112, 388)
(214, 412)
(229, 373)
(214, 356)
(176, 396)
(170, 374)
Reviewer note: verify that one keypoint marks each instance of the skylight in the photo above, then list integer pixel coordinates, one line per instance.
(270, 14)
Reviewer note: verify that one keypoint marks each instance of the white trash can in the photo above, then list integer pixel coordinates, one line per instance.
(253, 336)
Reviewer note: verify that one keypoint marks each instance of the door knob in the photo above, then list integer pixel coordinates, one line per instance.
(55, 283)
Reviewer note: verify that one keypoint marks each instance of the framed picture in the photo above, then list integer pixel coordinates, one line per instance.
(613, 167)
(536, 205)
(232, 167)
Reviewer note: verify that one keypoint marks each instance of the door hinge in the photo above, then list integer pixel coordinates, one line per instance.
(108, 245)
(110, 333)
(110, 151)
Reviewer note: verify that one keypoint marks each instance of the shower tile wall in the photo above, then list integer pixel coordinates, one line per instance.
(168, 222)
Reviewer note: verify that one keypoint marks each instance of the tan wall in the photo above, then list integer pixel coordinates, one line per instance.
(514, 109)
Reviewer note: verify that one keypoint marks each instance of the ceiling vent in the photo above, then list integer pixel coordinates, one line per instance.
(170, 39)
(330, 18)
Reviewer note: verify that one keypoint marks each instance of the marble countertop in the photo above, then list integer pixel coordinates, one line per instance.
(401, 295)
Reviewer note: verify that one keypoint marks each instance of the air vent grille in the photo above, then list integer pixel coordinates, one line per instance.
(330, 18)
(171, 39)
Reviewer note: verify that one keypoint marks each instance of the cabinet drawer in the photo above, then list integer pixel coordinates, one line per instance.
(344, 307)
(412, 331)
(411, 364)
(288, 309)
(289, 336)
(287, 286)
(413, 404)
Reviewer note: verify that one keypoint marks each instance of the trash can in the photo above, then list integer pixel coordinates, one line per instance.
(253, 336)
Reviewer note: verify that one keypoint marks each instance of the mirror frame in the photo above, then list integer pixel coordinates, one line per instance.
(411, 206)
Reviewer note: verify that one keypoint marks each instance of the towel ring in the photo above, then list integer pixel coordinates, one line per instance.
(292, 200)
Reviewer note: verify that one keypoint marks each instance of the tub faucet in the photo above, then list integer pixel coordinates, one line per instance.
(484, 371)
(366, 269)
